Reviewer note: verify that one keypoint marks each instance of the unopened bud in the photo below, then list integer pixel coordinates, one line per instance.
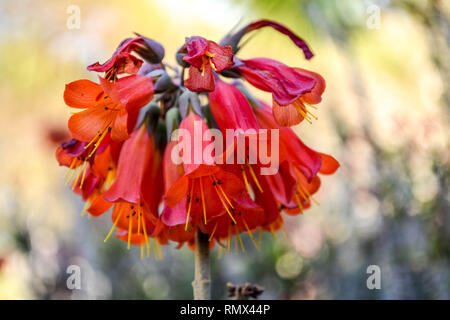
(152, 117)
(150, 50)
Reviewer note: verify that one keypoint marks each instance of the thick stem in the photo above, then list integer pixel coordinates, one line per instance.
(202, 282)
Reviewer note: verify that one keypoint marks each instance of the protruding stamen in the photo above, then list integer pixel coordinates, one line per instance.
(155, 250)
(84, 174)
(160, 254)
(139, 220)
(97, 144)
(212, 233)
(71, 176)
(303, 113)
(245, 179)
(189, 205)
(273, 232)
(308, 194)
(78, 177)
(284, 232)
(255, 178)
(223, 203)
(86, 206)
(114, 226)
(222, 191)
(299, 203)
(130, 225)
(250, 234)
(219, 252)
(72, 164)
(145, 235)
(203, 199)
(240, 239)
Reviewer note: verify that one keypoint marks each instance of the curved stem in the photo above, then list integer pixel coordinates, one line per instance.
(202, 282)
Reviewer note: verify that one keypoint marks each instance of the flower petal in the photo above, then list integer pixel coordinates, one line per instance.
(329, 164)
(199, 81)
(86, 125)
(82, 94)
(286, 116)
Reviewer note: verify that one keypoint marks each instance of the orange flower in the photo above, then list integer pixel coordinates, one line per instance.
(111, 107)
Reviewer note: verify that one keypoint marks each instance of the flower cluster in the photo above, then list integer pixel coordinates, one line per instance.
(127, 153)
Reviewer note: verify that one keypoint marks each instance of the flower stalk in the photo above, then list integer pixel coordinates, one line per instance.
(202, 278)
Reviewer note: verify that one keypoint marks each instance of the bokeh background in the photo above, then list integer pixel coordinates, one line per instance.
(385, 117)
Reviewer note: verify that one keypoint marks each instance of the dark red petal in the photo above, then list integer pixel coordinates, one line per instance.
(200, 81)
(117, 60)
(223, 56)
(282, 81)
(196, 48)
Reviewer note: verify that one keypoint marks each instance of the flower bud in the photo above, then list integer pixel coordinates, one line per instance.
(163, 83)
(150, 50)
(152, 117)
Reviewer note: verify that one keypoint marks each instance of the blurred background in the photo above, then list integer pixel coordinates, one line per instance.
(384, 116)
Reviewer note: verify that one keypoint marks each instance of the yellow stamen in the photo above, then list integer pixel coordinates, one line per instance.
(214, 230)
(190, 204)
(284, 232)
(240, 240)
(97, 144)
(145, 236)
(78, 177)
(71, 176)
(139, 221)
(159, 249)
(113, 227)
(260, 235)
(299, 203)
(203, 199)
(224, 204)
(84, 175)
(219, 252)
(142, 252)
(86, 206)
(273, 232)
(72, 164)
(251, 235)
(223, 192)
(304, 115)
(130, 225)
(309, 194)
(254, 178)
(245, 179)
(155, 250)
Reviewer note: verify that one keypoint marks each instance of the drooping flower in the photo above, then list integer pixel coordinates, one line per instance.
(123, 61)
(204, 56)
(111, 107)
(163, 191)
(205, 190)
(135, 206)
(294, 113)
(292, 88)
